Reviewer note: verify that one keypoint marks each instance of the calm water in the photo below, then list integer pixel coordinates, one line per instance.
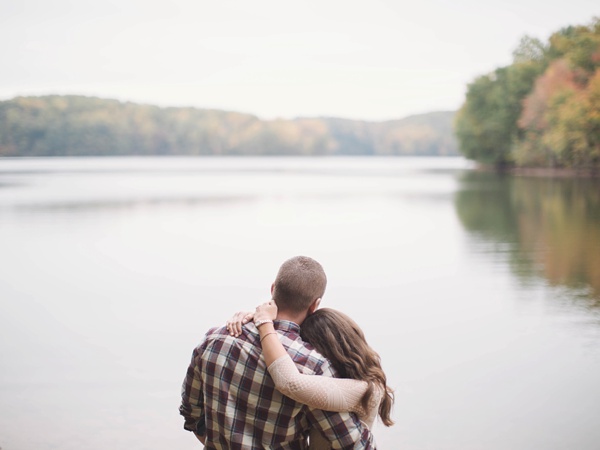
(481, 293)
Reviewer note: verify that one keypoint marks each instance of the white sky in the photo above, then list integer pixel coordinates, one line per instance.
(374, 60)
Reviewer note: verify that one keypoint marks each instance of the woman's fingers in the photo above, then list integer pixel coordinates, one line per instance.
(234, 325)
(266, 311)
(230, 327)
(238, 323)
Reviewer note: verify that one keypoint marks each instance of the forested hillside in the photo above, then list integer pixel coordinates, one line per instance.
(541, 111)
(76, 125)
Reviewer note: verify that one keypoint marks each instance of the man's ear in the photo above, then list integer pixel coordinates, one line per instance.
(272, 288)
(314, 306)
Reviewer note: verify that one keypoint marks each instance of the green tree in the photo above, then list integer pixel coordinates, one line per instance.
(486, 125)
(530, 49)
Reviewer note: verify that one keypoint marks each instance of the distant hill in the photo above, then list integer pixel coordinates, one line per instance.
(86, 126)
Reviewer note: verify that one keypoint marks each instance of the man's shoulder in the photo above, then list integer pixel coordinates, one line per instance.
(214, 333)
(308, 360)
(217, 341)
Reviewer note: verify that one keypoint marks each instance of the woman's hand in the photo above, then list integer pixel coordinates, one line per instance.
(234, 325)
(266, 311)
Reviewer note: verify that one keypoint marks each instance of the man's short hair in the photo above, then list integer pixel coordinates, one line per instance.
(300, 281)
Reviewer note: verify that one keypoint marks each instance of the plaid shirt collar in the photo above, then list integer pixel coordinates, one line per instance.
(287, 326)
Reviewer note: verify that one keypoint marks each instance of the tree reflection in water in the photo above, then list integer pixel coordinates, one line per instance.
(549, 227)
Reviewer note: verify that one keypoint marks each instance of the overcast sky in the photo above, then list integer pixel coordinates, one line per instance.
(359, 59)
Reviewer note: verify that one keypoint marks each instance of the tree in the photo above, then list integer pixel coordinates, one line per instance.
(530, 49)
(486, 124)
(580, 45)
(540, 111)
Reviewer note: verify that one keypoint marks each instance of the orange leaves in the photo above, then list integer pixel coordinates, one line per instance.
(558, 77)
(561, 119)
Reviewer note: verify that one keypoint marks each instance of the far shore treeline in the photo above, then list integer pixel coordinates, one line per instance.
(541, 111)
(85, 126)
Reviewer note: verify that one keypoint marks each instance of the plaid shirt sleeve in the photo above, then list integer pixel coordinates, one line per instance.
(192, 398)
(344, 430)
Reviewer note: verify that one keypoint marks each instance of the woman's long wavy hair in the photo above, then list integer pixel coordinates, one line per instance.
(337, 337)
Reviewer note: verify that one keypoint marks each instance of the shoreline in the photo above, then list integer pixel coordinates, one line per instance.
(543, 172)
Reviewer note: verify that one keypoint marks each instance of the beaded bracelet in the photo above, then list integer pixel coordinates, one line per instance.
(271, 332)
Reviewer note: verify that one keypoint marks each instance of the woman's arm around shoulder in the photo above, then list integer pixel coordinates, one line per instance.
(326, 393)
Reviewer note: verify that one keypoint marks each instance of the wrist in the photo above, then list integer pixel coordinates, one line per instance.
(266, 335)
(266, 327)
(261, 322)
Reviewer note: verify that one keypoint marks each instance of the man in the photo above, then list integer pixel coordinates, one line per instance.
(228, 398)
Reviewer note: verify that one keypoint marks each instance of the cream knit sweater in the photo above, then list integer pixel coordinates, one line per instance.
(328, 394)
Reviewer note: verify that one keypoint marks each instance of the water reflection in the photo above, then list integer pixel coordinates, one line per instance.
(125, 204)
(545, 227)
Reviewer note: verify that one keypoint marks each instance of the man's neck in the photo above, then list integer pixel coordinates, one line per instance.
(296, 318)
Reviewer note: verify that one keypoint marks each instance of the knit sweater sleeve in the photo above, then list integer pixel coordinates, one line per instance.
(320, 392)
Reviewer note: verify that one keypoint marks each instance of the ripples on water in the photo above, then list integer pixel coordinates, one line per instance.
(480, 292)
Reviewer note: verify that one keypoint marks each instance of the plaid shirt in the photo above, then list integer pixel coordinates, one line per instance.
(229, 396)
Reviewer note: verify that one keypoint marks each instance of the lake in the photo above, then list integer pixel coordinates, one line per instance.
(480, 292)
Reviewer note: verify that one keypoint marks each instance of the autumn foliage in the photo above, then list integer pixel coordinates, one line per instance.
(85, 126)
(555, 101)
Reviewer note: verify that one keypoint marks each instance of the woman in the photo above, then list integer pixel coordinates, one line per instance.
(361, 386)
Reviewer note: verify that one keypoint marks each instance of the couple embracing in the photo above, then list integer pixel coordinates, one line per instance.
(263, 382)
